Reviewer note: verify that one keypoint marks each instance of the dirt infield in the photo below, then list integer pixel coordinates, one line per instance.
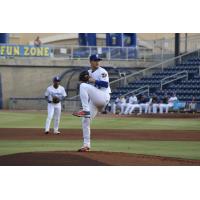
(90, 159)
(74, 134)
(94, 158)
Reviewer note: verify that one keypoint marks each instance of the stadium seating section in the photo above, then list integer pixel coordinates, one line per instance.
(185, 89)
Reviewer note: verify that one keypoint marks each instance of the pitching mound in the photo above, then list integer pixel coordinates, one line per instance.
(90, 159)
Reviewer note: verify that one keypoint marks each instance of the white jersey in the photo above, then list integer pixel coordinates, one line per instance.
(133, 99)
(55, 92)
(172, 100)
(122, 100)
(100, 74)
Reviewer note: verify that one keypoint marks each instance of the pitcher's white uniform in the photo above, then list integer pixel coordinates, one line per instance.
(52, 108)
(94, 98)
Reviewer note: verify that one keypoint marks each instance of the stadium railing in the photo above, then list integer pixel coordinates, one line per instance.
(174, 77)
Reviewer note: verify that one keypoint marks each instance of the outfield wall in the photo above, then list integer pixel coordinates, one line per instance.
(30, 77)
(26, 81)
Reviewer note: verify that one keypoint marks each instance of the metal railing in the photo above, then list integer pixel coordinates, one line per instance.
(139, 91)
(69, 52)
(169, 79)
(155, 68)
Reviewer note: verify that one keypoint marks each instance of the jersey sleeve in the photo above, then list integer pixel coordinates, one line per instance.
(103, 79)
(46, 94)
(64, 93)
(104, 76)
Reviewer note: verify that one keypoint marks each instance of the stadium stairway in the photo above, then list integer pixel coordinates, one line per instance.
(185, 88)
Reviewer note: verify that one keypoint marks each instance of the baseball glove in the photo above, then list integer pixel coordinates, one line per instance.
(56, 100)
(84, 76)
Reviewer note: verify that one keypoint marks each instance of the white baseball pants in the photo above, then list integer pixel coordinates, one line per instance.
(144, 106)
(92, 100)
(54, 110)
(164, 107)
(133, 107)
(122, 106)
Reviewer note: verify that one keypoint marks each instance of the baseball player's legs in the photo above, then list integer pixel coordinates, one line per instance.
(128, 107)
(86, 124)
(96, 96)
(149, 108)
(161, 106)
(50, 110)
(142, 106)
(57, 113)
(123, 106)
(167, 108)
(133, 107)
(113, 108)
(146, 108)
(164, 108)
(155, 108)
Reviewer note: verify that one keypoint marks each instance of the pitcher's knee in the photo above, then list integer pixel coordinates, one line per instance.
(83, 86)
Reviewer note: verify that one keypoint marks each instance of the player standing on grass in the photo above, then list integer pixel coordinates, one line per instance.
(94, 94)
(54, 95)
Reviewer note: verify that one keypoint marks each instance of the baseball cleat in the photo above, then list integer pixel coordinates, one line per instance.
(56, 132)
(46, 132)
(82, 113)
(84, 149)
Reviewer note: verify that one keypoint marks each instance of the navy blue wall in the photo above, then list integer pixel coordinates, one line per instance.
(82, 39)
(4, 37)
(87, 39)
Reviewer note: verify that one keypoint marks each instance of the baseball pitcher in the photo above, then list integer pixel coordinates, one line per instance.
(94, 94)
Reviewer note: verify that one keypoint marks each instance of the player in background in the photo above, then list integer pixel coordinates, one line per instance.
(131, 105)
(94, 95)
(153, 104)
(172, 100)
(164, 105)
(116, 104)
(54, 95)
(123, 104)
(144, 104)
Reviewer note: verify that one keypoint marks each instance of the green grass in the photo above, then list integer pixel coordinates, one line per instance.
(180, 149)
(188, 150)
(37, 120)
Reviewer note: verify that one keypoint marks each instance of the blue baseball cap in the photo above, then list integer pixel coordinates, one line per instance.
(56, 79)
(95, 57)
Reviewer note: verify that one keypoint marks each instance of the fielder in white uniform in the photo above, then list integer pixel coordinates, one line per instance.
(94, 95)
(54, 91)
